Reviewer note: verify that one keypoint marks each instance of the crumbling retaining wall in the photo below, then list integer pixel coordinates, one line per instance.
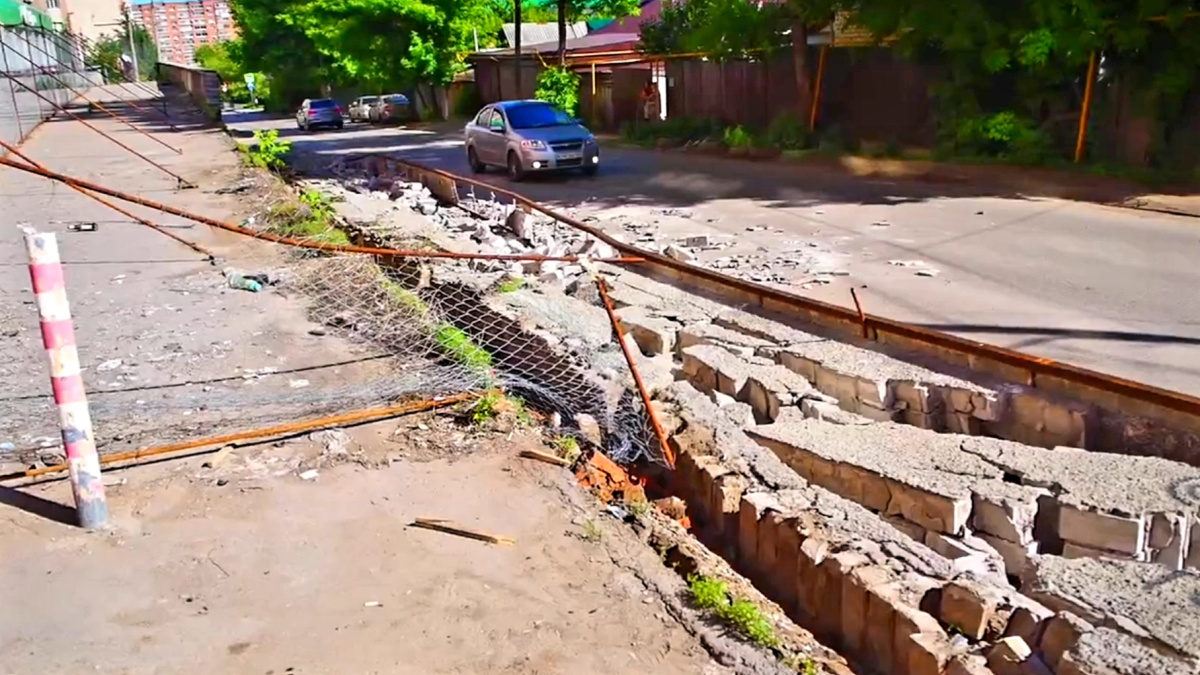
(891, 604)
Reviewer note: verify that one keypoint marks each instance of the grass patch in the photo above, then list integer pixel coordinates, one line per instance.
(486, 407)
(511, 285)
(302, 221)
(638, 508)
(742, 615)
(406, 299)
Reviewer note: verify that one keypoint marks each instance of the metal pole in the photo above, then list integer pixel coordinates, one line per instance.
(183, 182)
(1086, 113)
(516, 48)
(58, 335)
(13, 91)
(137, 71)
(131, 104)
(816, 102)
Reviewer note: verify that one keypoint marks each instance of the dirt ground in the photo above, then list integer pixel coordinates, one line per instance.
(233, 570)
(246, 566)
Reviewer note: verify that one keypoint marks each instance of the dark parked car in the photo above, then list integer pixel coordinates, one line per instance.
(525, 136)
(360, 108)
(319, 112)
(390, 108)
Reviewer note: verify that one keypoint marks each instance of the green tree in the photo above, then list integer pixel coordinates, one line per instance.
(110, 52)
(567, 11)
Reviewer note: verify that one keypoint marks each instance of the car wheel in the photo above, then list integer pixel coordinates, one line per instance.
(473, 160)
(590, 170)
(516, 172)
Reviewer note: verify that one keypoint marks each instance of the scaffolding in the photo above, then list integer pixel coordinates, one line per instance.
(42, 65)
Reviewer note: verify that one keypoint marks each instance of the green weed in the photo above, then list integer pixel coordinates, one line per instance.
(300, 221)
(592, 531)
(511, 285)
(743, 615)
(267, 152)
(487, 407)
(460, 347)
(568, 448)
(406, 299)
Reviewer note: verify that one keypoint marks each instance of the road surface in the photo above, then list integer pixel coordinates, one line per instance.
(1105, 288)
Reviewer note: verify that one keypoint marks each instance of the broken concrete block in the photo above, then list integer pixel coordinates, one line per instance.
(1169, 533)
(1008, 656)
(878, 636)
(1028, 621)
(654, 334)
(678, 253)
(725, 499)
(968, 664)
(770, 387)
(1060, 635)
(718, 336)
(971, 608)
(963, 557)
(1102, 531)
(914, 395)
(829, 412)
(931, 511)
(1193, 556)
(928, 653)
(1009, 518)
(855, 599)
(720, 399)
(699, 241)
(1014, 556)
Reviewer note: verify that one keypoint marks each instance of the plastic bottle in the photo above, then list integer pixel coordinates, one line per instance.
(241, 283)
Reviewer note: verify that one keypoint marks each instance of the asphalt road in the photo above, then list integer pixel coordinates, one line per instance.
(1110, 289)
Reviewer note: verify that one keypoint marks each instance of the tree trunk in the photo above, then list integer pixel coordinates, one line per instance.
(800, 65)
(562, 32)
(516, 49)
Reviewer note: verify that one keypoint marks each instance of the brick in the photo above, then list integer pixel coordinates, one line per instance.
(1029, 621)
(969, 607)
(855, 596)
(1011, 519)
(909, 622)
(1060, 636)
(915, 395)
(809, 576)
(787, 560)
(961, 556)
(769, 527)
(753, 507)
(872, 392)
(1102, 531)
(928, 653)
(931, 511)
(832, 576)
(833, 383)
(882, 600)
(653, 335)
(725, 499)
(1169, 533)
(1071, 550)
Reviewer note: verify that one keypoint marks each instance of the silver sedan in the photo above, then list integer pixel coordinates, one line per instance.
(529, 136)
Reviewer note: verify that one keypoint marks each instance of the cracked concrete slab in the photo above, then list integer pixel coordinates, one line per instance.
(1120, 483)
(1150, 602)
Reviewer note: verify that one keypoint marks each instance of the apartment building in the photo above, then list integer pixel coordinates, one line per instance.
(179, 26)
(89, 18)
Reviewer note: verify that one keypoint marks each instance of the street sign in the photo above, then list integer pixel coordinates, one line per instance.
(249, 77)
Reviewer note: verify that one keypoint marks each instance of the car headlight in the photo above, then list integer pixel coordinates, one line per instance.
(533, 145)
(590, 140)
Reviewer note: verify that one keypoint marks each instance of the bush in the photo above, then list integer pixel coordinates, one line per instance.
(559, 87)
(1003, 135)
(788, 132)
(743, 615)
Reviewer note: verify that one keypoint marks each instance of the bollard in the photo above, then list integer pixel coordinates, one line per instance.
(58, 336)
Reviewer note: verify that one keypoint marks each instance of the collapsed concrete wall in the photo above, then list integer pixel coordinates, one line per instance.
(890, 603)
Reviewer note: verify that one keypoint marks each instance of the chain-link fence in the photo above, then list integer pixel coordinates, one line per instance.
(422, 324)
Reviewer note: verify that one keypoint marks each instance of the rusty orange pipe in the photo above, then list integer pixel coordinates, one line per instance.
(372, 414)
(266, 236)
(668, 454)
(1086, 113)
(154, 226)
(816, 101)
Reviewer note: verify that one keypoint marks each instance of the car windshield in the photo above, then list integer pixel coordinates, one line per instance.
(322, 103)
(368, 99)
(536, 115)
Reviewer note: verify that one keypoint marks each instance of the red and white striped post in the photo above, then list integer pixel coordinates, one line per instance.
(58, 335)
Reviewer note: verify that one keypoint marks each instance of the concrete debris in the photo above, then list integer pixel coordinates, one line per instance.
(678, 253)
